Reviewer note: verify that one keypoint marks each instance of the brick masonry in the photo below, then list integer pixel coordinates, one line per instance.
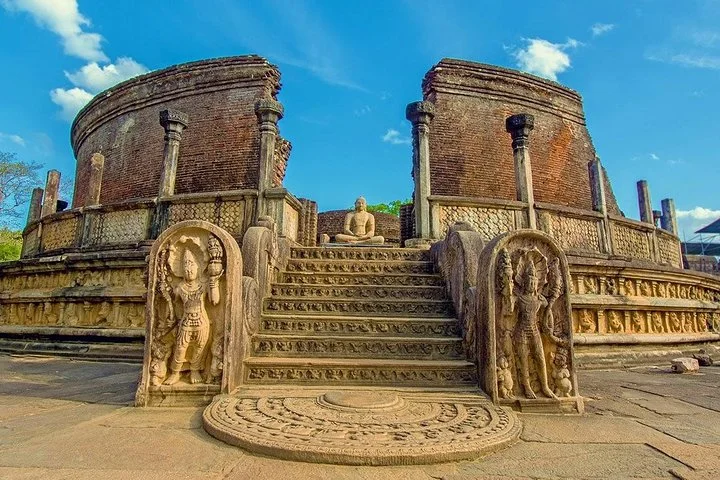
(219, 149)
(471, 153)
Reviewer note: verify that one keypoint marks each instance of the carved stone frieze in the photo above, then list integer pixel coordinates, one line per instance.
(61, 313)
(359, 267)
(193, 301)
(122, 226)
(368, 253)
(573, 233)
(359, 292)
(420, 308)
(362, 279)
(63, 279)
(630, 242)
(229, 215)
(652, 321)
(377, 326)
(449, 349)
(59, 234)
(489, 222)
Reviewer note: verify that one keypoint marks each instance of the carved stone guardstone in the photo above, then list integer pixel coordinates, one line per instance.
(194, 315)
(526, 356)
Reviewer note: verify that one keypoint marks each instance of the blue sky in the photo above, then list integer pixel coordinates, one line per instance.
(648, 71)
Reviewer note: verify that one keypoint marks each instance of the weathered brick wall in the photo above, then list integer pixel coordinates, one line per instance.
(407, 222)
(471, 153)
(333, 221)
(219, 150)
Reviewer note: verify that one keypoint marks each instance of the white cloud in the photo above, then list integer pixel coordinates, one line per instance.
(692, 60)
(63, 18)
(94, 78)
(364, 110)
(601, 28)
(71, 101)
(654, 156)
(699, 213)
(393, 137)
(544, 58)
(16, 139)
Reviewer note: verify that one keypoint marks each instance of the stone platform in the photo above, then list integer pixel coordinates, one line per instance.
(361, 427)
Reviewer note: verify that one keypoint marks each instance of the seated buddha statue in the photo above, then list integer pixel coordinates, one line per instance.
(359, 226)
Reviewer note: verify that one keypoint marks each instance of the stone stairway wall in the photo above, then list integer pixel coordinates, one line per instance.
(359, 316)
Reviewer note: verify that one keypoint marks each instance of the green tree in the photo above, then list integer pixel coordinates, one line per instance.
(17, 179)
(10, 244)
(391, 207)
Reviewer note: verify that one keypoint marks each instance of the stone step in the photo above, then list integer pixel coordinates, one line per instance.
(341, 306)
(418, 348)
(356, 325)
(360, 253)
(353, 371)
(379, 292)
(353, 266)
(395, 279)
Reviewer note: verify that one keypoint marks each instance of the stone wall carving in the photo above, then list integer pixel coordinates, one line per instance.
(630, 242)
(651, 321)
(525, 318)
(669, 250)
(229, 215)
(489, 222)
(193, 301)
(308, 228)
(574, 233)
(60, 313)
(59, 234)
(120, 226)
(31, 242)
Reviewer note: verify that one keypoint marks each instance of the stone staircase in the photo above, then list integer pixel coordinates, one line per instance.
(359, 316)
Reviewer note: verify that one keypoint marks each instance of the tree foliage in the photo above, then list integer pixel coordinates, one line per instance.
(391, 207)
(10, 244)
(17, 179)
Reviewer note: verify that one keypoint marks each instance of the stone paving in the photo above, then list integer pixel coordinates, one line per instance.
(68, 419)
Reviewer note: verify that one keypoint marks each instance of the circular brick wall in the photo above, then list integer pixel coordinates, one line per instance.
(219, 149)
(386, 224)
(471, 153)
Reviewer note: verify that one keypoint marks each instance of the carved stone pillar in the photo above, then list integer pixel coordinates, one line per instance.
(519, 127)
(36, 201)
(421, 114)
(668, 220)
(174, 122)
(97, 164)
(599, 199)
(646, 214)
(269, 112)
(52, 187)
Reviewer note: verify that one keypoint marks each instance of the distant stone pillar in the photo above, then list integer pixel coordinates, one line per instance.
(97, 164)
(421, 114)
(668, 220)
(52, 187)
(519, 127)
(36, 200)
(269, 112)
(174, 122)
(646, 214)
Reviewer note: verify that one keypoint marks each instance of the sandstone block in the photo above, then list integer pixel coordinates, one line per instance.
(685, 365)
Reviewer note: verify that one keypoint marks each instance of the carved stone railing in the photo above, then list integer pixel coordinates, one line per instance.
(579, 232)
(128, 224)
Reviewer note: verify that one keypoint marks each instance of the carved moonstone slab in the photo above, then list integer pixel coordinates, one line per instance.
(362, 428)
(194, 303)
(526, 358)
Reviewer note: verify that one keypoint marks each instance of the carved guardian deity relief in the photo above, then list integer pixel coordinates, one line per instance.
(526, 358)
(193, 302)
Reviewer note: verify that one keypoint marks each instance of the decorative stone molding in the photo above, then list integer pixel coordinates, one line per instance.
(194, 300)
(174, 122)
(525, 318)
(519, 126)
(420, 114)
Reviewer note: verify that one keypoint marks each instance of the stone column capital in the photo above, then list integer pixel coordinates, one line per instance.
(519, 127)
(269, 110)
(174, 122)
(420, 112)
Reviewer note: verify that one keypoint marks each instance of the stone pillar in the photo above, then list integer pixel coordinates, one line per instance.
(36, 201)
(269, 112)
(174, 122)
(52, 187)
(668, 220)
(97, 164)
(519, 127)
(597, 186)
(646, 214)
(421, 114)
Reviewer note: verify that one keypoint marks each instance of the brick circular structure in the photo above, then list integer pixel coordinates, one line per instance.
(386, 224)
(471, 153)
(219, 148)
